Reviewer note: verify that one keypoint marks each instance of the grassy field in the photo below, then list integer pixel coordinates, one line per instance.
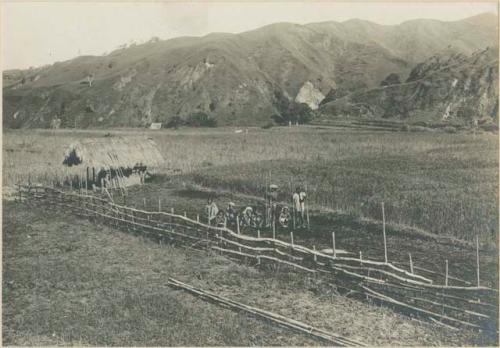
(67, 283)
(442, 183)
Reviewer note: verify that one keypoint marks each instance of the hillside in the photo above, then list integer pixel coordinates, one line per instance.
(235, 78)
(444, 88)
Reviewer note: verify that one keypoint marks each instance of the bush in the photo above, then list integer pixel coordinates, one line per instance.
(174, 122)
(268, 125)
(295, 112)
(391, 79)
(201, 119)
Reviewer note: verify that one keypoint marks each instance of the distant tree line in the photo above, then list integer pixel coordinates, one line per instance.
(290, 111)
(197, 119)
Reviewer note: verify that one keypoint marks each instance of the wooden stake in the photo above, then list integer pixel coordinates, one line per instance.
(477, 259)
(307, 208)
(159, 204)
(446, 274)
(238, 223)
(315, 256)
(333, 245)
(291, 238)
(274, 229)
(383, 230)
(411, 263)
(258, 236)
(198, 217)
(361, 256)
(185, 214)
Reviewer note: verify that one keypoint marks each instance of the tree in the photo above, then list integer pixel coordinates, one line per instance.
(295, 112)
(200, 119)
(89, 78)
(174, 122)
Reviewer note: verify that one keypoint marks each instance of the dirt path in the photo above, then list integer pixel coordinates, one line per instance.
(68, 281)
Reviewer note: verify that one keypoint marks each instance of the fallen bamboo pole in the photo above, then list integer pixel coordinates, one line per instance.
(273, 317)
(371, 293)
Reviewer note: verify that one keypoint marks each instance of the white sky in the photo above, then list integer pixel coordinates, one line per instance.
(39, 33)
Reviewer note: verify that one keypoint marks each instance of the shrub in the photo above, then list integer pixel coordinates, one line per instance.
(268, 125)
(391, 79)
(174, 122)
(201, 119)
(295, 112)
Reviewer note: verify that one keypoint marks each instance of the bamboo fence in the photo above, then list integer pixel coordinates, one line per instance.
(381, 282)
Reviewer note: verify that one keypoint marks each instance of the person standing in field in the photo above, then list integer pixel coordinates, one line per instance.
(297, 207)
(272, 199)
(302, 200)
(211, 210)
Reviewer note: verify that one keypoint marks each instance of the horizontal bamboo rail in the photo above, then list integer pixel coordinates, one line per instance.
(359, 273)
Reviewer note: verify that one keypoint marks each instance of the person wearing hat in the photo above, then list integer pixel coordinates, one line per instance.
(247, 217)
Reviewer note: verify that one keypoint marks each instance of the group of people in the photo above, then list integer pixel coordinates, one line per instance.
(274, 212)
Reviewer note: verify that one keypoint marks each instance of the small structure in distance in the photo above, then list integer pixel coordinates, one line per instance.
(112, 162)
(155, 125)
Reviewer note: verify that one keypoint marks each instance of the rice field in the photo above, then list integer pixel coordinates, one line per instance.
(441, 183)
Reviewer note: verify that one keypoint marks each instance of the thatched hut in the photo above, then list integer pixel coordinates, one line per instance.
(113, 162)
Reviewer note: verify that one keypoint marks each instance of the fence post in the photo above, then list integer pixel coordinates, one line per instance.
(197, 217)
(144, 201)
(333, 245)
(274, 229)
(291, 238)
(383, 230)
(307, 208)
(258, 234)
(446, 274)
(315, 256)
(238, 224)
(411, 263)
(159, 204)
(361, 256)
(477, 259)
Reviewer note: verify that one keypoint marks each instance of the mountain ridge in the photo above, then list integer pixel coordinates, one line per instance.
(235, 78)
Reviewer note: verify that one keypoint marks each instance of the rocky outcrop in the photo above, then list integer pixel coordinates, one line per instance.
(309, 95)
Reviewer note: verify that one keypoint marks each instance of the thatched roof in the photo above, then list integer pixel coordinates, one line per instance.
(113, 153)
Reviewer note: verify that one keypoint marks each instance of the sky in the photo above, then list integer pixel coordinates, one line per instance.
(40, 33)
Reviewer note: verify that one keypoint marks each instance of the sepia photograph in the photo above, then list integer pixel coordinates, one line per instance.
(250, 173)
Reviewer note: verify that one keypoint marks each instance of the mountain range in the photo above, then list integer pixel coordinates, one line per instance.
(419, 69)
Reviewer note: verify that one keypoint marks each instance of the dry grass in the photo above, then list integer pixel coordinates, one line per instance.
(81, 284)
(443, 183)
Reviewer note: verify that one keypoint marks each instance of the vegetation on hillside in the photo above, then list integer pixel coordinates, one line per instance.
(233, 77)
